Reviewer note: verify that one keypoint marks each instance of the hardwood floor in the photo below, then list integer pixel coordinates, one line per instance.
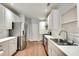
(32, 49)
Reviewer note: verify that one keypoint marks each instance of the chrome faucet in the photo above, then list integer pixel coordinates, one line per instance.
(66, 35)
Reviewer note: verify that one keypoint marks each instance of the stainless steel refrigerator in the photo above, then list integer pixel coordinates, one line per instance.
(18, 30)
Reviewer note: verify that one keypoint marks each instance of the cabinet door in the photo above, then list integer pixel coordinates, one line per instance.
(8, 19)
(49, 20)
(15, 18)
(12, 46)
(49, 48)
(54, 22)
(56, 51)
(15, 44)
(49, 51)
(4, 48)
(53, 50)
(78, 14)
(1, 17)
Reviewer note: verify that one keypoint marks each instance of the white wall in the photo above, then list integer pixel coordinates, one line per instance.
(42, 29)
(35, 29)
(72, 26)
(33, 33)
(28, 29)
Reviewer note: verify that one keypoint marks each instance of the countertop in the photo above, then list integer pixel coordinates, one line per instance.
(6, 39)
(68, 50)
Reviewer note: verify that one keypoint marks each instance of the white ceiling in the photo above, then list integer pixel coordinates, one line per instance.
(31, 9)
(39, 10)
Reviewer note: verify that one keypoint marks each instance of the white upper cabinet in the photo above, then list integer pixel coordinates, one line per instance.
(8, 19)
(78, 14)
(5, 18)
(54, 21)
(1, 17)
(15, 18)
(68, 13)
(18, 18)
(49, 22)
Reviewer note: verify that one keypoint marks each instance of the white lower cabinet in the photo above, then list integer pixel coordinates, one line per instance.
(53, 50)
(12, 46)
(49, 51)
(4, 47)
(9, 47)
(56, 51)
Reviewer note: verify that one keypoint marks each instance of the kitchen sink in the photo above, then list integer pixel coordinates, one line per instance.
(63, 43)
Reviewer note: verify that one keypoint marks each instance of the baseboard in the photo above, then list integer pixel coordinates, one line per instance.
(41, 42)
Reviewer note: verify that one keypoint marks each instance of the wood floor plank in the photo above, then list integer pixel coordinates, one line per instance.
(32, 49)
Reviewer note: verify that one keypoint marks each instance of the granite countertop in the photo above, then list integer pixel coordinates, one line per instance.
(6, 39)
(68, 50)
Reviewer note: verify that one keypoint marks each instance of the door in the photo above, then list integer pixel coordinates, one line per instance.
(35, 32)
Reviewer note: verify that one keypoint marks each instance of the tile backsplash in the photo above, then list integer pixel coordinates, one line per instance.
(4, 33)
(74, 37)
(71, 28)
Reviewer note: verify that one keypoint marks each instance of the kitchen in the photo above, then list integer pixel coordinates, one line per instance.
(39, 29)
